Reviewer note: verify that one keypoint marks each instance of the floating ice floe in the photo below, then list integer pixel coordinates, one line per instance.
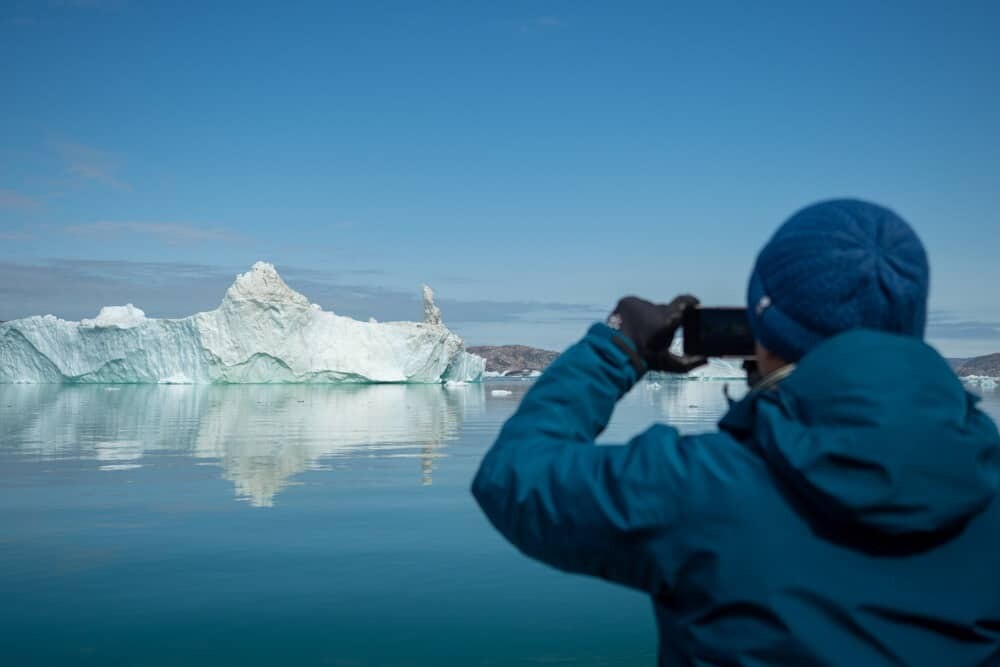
(715, 369)
(263, 331)
(982, 381)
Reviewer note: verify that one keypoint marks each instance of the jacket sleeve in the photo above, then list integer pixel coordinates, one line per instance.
(579, 507)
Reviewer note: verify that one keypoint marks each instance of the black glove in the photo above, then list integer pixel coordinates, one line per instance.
(651, 328)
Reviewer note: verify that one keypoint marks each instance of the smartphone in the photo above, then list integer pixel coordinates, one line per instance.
(717, 332)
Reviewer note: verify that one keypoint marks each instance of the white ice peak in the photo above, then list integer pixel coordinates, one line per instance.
(262, 284)
(123, 317)
(263, 331)
(432, 314)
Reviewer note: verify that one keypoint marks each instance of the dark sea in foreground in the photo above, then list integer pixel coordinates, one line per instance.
(283, 524)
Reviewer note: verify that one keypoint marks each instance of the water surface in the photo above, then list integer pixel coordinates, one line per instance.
(290, 524)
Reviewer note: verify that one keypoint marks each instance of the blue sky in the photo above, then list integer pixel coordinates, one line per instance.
(533, 161)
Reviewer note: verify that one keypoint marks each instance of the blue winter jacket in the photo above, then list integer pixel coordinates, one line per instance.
(844, 517)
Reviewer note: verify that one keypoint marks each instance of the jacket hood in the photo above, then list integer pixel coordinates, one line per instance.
(875, 431)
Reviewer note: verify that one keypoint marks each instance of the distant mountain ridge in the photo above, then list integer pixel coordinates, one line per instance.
(986, 366)
(508, 358)
(511, 358)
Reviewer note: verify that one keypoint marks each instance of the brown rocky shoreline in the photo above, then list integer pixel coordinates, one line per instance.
(513, 358)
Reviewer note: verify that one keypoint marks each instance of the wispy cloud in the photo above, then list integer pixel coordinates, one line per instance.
(328, 274)
(74, 288)
(91, 4)
(167, 232)
(91, 164)
(12, 199)
(542, 23)
(340, 290)
(953, 324)
(456, 279)
(15, 236)
(964, 329)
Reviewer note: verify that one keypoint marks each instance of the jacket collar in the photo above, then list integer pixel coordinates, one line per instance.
(739, 420)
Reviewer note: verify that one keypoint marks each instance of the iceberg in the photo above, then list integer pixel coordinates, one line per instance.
(981, 381)
(262, 332)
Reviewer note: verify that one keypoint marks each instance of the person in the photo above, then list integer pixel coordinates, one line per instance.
(842, 514)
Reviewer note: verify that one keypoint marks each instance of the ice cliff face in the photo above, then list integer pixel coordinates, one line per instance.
(262, 332)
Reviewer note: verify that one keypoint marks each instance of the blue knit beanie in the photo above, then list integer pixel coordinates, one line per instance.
(833, 266)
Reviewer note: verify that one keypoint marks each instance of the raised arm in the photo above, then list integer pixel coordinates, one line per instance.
(562, 500)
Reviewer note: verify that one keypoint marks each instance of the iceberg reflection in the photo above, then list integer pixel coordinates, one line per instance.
(260, 435)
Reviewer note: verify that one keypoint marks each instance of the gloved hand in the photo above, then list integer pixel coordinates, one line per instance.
(651, 327)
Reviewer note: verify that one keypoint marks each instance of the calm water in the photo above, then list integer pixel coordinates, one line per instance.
(175, 525)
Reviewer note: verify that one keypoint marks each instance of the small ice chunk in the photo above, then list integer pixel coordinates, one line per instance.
(121, 317)
(981, 381)
(501, 392)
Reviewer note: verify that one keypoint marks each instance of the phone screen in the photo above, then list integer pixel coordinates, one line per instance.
(718, 332)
